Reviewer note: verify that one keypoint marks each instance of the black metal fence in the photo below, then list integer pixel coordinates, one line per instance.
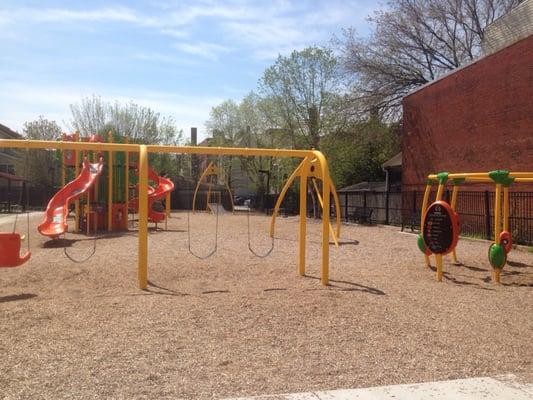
(475, 210)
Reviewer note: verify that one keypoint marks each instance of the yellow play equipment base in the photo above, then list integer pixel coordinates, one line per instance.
(314, 165)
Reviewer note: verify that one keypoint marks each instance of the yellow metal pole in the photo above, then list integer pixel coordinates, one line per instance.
(506, 208)
(127, 182)
(425, 202)
(497, 225)
(453, 205)
(76, 172)
(325, 218)
(297, 172)
(88, 211)
(438, 262)
(319, 197)
(209, 193)
(167, 209)
(110, 187)
(63, 166)
(438, 257)
(143, 218)
(337, 207)
(204, 174)
(303, 215)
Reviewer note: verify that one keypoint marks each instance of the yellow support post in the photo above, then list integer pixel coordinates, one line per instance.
(63, 166)
(497, 226)
(325, 217)
(76, 172)
(303, 216)
(319, 197)
(127, 182)
(297, 172)
(453, 205)
(143, 218)
(438, 257)
(167, 209)
(110, 187)
(425, 202)
(506, 208)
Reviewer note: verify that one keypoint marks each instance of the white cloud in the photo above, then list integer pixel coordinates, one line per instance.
(117, 14)
(210, 51)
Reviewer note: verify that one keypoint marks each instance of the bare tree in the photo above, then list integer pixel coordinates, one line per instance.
(40, 165)
(414, 42)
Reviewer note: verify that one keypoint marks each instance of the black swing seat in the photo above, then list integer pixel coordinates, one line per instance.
(10, 244)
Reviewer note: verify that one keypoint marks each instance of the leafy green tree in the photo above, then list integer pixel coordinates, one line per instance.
(356, 154)
(301, 90)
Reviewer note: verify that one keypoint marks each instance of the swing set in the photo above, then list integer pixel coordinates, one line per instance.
(440, 222)
(314, 165)
(305, 170)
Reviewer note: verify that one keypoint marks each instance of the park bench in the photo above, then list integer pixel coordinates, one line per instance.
(362, 215)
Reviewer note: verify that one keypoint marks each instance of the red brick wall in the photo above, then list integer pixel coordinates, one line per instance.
(479, 118)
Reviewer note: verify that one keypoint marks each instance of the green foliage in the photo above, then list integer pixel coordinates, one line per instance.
(301, 91)
(356, 154)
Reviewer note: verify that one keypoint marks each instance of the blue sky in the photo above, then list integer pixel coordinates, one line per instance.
(178, 57)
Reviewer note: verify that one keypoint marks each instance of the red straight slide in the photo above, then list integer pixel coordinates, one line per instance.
(55, 217)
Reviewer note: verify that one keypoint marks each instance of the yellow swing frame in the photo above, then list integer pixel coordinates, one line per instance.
(310, 157)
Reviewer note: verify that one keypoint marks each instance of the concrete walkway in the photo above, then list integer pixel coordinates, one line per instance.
(505, 387)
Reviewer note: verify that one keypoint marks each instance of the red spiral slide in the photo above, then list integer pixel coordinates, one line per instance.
(163, 186)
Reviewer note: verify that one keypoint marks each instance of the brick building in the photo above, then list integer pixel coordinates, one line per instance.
(478, 117)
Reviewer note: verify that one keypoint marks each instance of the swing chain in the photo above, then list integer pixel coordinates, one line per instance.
(20, 203)
(212, 252)
(269, 251)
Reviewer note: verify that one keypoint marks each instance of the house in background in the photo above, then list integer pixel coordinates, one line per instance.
(9, 158)
(11, 184)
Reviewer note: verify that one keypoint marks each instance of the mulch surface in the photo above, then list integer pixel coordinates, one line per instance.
(238, 325)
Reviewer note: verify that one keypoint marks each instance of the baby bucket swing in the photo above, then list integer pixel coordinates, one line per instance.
(11, 242)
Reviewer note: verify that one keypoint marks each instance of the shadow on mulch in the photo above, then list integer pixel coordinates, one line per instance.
(160, 230)
(451, 278)
(345, 242)
(17, 297)
(353, 287)
(516, 264)
(64, 242)
(163, 290)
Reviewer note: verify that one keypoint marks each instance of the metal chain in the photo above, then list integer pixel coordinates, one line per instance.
(212, 252)
(269, 251)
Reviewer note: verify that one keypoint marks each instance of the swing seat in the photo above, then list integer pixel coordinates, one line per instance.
(10, 250)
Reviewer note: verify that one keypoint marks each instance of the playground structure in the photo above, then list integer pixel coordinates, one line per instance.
(440, 222)
(314, 159)
(109, 200)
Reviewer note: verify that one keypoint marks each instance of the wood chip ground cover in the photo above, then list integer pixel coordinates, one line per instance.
(237, 325)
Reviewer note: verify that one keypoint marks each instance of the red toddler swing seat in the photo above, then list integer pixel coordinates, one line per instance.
(10, 257)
